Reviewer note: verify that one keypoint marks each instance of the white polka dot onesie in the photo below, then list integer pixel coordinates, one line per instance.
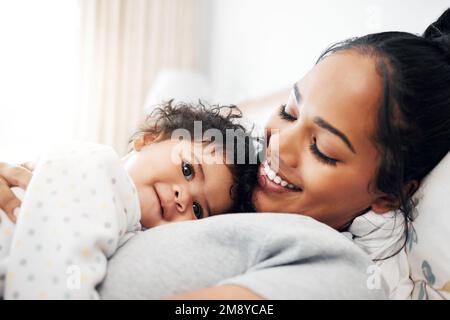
(79, 207)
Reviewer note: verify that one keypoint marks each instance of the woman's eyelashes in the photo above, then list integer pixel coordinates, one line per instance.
(285, 115)
(313, 146)
(320, 156)
(189, 173)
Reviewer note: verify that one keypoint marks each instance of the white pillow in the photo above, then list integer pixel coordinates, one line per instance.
(428, 247)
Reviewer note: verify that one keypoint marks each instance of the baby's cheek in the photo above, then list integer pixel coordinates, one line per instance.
(143, 198)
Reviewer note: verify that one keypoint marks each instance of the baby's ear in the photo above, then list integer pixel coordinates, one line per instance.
(145, 139)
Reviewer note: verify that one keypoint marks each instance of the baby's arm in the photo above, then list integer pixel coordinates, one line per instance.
(70, 223)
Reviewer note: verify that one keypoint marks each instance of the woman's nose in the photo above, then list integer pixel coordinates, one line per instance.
(182, 198)
(285, 146)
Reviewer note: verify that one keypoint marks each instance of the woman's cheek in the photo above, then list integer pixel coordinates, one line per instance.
(346, 184)
(324, 182)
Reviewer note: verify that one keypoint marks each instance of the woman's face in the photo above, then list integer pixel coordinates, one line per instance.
(322, 144)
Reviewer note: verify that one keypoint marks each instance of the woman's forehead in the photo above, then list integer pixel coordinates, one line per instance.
(348, 76)
(345, 89)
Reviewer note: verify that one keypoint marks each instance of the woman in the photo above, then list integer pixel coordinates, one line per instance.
(358, 133)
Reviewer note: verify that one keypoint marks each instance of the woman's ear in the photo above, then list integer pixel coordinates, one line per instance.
(387, 203)
(411, 187)
(145, 139)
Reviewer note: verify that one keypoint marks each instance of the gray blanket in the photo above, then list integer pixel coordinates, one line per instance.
(277, 256)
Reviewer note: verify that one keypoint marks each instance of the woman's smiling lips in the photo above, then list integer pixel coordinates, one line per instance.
(269, 180)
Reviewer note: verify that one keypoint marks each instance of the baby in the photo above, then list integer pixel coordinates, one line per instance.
(84, 202)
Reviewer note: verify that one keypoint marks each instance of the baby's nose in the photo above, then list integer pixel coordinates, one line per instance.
(182, 198)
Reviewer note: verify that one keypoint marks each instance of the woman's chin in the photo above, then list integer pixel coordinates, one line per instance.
(264, 202)
(276, 202)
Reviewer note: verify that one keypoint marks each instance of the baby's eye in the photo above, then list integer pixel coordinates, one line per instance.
(187, 170)
(198, 211)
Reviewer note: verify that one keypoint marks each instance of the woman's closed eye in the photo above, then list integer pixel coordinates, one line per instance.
(321, 156)
(285, 115)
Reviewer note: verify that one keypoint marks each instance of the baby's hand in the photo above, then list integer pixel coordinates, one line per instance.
(12, 176)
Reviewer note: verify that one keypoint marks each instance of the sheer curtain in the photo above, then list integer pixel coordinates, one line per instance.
(124, 43)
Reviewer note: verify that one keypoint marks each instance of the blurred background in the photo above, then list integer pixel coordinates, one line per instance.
(90, 69)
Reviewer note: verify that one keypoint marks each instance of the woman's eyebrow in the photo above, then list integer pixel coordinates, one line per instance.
(323, 124)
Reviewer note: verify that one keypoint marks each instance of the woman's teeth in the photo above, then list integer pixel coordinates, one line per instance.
(272, 175)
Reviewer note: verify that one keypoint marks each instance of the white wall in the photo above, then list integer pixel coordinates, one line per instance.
(38, 75)
(255, 47)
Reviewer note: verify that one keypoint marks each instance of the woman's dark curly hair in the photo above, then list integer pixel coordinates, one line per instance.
(168, 117)
(414, 118)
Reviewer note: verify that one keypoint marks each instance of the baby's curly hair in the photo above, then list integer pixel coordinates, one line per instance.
(170, 116)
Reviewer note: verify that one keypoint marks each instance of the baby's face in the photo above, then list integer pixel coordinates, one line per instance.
(178, 180)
